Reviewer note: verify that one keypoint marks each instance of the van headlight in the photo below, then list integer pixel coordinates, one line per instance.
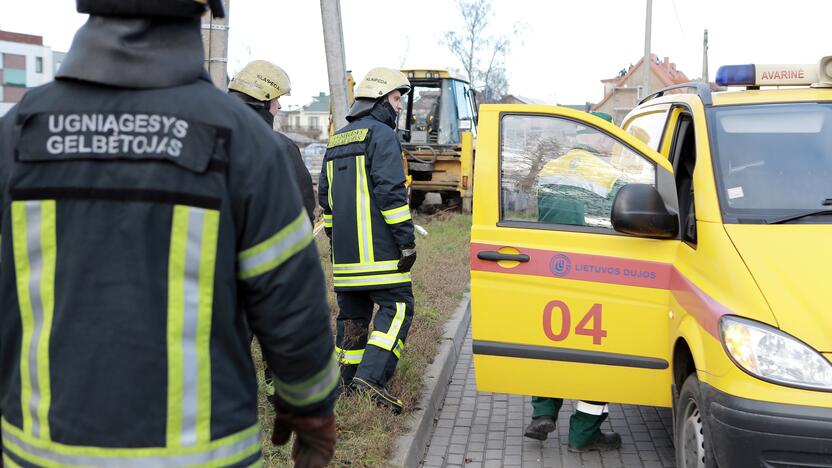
(772, 355)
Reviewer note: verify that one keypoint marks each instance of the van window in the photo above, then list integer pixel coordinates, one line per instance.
(557, 171)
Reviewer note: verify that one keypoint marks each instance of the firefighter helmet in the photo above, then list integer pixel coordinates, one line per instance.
(262, 80)
(175, 8)
(381, 81)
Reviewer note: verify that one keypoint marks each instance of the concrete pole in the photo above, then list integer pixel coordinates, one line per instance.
(336, 63)
(647, 59)
(705, 58)
(215, 44)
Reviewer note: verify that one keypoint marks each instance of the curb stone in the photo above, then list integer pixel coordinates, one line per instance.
(410, 447)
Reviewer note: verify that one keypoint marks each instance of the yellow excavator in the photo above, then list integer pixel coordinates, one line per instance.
(438, 132)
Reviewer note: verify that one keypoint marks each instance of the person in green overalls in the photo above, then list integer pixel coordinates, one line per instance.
(570, 186)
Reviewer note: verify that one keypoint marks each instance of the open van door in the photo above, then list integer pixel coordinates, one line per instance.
(563, 305)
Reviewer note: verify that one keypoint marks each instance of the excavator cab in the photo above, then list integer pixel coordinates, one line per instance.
(438, 128)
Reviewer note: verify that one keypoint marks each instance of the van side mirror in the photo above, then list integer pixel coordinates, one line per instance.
(638, 209)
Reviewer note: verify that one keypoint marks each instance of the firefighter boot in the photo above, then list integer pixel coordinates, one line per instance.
(378, 394)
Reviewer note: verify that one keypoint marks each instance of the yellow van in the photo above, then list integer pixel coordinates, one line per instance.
(683, 260)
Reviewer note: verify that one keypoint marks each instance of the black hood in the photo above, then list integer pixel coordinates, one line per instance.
(380, 111)
(261, 107)
(146, 52)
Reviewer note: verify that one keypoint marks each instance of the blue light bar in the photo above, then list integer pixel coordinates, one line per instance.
(734, 75)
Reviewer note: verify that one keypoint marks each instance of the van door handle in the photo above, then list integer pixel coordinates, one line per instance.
(494, 256)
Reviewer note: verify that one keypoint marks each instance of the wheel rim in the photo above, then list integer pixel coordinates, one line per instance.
(693, 438)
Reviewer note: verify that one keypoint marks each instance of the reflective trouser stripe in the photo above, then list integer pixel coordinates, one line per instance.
(272, 252)
(327, 220)
(398, 349)
(370, 280)
(218, 453)
(193, 248)
(329, 179)
(349, 356)
(589, 408)
(362, 212)
(312, 390)
(342, 268)
(388, 340)
(35, 249)
(397, 215)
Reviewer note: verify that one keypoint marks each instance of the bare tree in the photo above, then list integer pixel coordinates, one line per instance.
(480, 54)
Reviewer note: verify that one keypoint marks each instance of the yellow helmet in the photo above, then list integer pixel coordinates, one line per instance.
(380, 81)
(262, 80)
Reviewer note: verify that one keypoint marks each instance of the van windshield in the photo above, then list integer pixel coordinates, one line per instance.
(773, 161)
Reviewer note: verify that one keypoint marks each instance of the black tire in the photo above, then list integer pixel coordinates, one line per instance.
(691, 428)
(416, 199)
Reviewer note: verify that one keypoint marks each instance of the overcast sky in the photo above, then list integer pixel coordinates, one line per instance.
(565, 49)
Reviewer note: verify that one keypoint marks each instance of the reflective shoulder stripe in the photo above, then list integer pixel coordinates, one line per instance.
(353, 136)
(397, 215)
(275, 250)
(327, 220)
(221, 452)
(312, 390)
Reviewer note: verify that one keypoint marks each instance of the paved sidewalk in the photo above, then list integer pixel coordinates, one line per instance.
(486, 430)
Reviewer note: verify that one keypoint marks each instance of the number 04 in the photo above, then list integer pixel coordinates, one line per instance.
(590, 324)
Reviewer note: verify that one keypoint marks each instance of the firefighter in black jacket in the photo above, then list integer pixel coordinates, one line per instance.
(260, 84)
(367, 218)
(148, 225)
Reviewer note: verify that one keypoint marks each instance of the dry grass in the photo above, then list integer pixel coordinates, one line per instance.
(366, 433)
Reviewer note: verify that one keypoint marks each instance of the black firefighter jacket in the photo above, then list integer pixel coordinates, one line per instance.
(148, 226)
(366, 213)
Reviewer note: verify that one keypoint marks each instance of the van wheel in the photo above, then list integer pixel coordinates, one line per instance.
(691, 428)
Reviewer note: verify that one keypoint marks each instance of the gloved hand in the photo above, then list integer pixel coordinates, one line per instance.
(314, 437)
(407, 259)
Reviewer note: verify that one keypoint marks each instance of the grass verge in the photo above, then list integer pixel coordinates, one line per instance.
(366, 433)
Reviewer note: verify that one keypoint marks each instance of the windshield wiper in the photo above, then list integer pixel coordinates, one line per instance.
(795, 217)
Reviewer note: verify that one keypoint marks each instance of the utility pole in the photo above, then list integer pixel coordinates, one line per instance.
(705, 58)
(336, 62)
(215, 44)
(646, 63)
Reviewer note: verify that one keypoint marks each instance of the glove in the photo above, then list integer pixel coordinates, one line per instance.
(314, 437)
(407, 259)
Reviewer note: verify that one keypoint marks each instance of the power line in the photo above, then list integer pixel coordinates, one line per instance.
(681, 28)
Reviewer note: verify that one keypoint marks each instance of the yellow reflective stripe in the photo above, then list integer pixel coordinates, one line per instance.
(353, 136)
(398, 349)
(397, 215)
(328, 220)
(35, 250)
(221, 452)
(329, 179)
(311, 390)
(176, 323)
(362, 212)
(364, 267)
(207, 266)
(272, 252)
(349, 356)
(9, 462)
(387, 340)
(371, 280)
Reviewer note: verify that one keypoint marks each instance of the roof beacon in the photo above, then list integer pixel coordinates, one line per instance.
(816, 75)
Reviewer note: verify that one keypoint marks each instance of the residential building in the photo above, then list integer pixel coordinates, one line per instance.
(24, 63)
(622, 93)
(311, 120)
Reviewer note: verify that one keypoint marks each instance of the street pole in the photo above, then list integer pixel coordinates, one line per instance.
(646, 63)
(705, 58)
(215, 44)
(336, 63)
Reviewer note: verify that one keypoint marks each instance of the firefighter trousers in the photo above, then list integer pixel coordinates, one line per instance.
(372, 356)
